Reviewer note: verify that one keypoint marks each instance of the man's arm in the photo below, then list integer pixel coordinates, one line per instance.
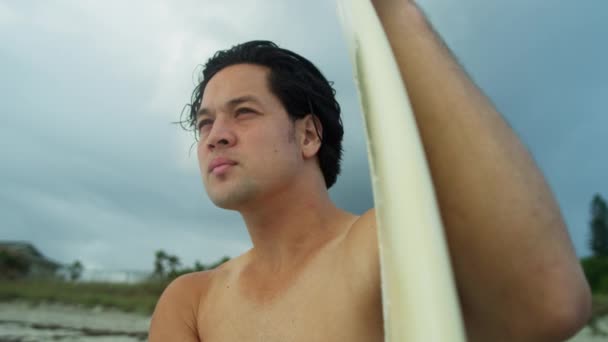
(517, 274)
(175, 315)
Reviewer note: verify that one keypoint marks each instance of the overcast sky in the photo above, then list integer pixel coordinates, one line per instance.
(92, 168)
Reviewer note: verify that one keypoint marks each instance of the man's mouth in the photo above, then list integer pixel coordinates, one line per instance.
(218, 170)
(220, 165)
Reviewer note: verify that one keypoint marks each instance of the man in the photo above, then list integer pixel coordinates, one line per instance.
(269, 147)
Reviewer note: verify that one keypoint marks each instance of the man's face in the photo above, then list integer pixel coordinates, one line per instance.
(247, 149)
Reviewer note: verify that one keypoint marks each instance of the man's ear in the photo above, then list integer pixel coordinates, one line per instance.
(310, 137)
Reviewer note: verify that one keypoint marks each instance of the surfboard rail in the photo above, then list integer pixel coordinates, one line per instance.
(419, 296)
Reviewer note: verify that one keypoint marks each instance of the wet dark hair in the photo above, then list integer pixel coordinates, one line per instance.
(299, 85)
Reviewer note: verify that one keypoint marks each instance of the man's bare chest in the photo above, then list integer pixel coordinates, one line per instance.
(326, 304)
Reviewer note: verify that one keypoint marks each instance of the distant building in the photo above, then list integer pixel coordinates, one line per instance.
(115, 276)
(17, 253)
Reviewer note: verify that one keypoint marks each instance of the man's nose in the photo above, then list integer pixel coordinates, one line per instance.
(221, 135)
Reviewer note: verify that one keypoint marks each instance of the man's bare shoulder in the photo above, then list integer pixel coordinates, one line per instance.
(176, 314)
(363, 231)
(362, 244)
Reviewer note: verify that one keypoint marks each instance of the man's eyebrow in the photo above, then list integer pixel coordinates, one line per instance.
(201, 112)
(242, 99)
(232, 103)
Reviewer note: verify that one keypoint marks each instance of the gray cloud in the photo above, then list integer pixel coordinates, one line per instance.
(543, 64)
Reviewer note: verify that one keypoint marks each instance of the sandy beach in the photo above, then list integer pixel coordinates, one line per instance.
(21, 322)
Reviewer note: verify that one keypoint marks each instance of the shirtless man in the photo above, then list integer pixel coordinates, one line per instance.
(269, 147)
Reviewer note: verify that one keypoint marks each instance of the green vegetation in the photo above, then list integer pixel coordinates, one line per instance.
(12, 266)
(596, 265)
(599, 227)
(138, 298)
(75, 270)
(596, 271)
(167, 266)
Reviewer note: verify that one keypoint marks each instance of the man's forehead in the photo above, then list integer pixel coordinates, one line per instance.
(236, 84)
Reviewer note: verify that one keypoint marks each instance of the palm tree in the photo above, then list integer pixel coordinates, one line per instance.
(599, 227)
(159, 263)
(174, 263)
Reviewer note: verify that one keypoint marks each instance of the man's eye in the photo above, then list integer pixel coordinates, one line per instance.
(203, 123)
(244, 110)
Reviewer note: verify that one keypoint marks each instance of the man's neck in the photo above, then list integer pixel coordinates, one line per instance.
(289, 228)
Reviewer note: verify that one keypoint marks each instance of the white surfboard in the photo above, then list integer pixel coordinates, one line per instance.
(418, 292)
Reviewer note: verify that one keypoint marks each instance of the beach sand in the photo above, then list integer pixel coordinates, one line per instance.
(22, 322)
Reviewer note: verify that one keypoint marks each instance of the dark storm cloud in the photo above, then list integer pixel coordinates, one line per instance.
(543, 64)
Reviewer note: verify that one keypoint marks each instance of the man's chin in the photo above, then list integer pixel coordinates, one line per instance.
(235, 201)
(225, 205)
